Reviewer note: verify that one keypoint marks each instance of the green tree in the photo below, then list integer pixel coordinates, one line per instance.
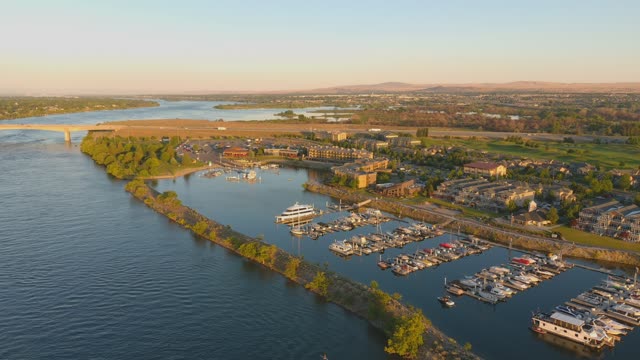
(291, 270)
(407, 336)
(200, 227)
(625, 182)
(320, 284)
(552, 215)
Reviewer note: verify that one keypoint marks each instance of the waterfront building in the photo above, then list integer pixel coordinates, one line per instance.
(403, 189)
(612, 219)
(288, 153)
(236, 152)
(482, 193)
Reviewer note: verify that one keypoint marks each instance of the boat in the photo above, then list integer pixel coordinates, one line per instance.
(454, 290)
(488, 297)
(250, 175)
(498, 270)
(523, 260)
(446, 301)
(517, 284)
(297, 230)
(569, 327)
(342, 248)
(296, 212)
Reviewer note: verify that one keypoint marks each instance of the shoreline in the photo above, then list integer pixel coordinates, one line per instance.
(177, 174)
(352, 296)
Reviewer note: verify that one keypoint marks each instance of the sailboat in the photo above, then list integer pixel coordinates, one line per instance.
(297, 229)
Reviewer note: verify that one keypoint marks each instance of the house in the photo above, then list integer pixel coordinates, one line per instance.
(612, 219)
(531, 218)
(362, 171)
(236, 152)
(407, 188)
(485, 169)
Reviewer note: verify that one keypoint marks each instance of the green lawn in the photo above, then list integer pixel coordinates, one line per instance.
(610, 156)
(581, 237)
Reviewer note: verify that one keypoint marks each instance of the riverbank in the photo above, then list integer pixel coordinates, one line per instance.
(176, 174)
(12, 108)
(383, 311)
(510, 238)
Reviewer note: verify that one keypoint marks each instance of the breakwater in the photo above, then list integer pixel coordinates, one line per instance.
(383, 311)
(509, 238)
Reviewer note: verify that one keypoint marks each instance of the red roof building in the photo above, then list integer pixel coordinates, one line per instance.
(236, 152)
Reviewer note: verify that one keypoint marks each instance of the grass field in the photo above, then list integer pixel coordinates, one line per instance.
(585, 238)
(609, 156)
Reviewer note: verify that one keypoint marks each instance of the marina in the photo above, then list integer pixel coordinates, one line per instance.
(595, 318)
(499, 283)
(398, 238)
(421, 288)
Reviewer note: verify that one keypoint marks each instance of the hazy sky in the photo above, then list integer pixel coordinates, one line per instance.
(188, 45)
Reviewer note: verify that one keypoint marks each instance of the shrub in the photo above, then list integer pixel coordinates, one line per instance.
(291, 270)
(320, 284)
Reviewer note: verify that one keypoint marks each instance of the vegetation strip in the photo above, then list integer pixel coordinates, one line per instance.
(411, 335)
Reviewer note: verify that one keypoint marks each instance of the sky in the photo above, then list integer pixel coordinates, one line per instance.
(139, 46)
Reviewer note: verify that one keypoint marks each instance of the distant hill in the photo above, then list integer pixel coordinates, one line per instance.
(529, 86)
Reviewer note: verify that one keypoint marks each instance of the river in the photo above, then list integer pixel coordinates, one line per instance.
(87, 272)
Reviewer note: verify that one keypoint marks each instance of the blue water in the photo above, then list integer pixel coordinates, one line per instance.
(86, 272)
(198, 110)
(495, 332)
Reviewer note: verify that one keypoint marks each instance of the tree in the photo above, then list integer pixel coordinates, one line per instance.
(407, 336)
(552, 215)
(625, 182)
(292, 268)
(422, 132)
(320, 284)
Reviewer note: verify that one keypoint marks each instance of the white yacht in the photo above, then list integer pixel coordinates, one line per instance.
(566, 326)
(342, 248)
(296, 212)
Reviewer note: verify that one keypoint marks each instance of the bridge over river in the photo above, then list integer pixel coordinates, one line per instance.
(63, 128)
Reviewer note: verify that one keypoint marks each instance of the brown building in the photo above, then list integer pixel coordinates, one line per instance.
(337, 153)
(288, 153)
(407, 188)
(485, 169)
(362, 171)
(236, 152)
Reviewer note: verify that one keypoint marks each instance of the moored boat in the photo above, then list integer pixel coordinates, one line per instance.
(446, 301)
(296, 212)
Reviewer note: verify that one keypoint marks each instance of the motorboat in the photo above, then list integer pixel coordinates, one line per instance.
(342, 248)
(523, 260)
(446, 301)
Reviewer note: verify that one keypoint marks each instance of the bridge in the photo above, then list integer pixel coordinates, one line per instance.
(64, 128)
